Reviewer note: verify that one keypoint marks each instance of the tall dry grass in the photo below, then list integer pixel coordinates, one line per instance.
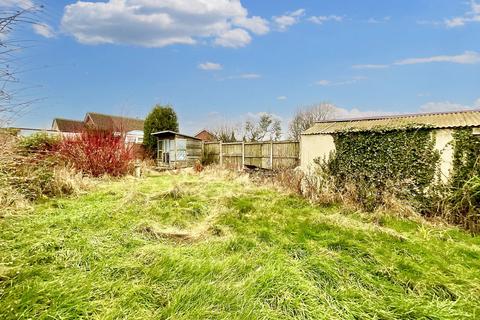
(29, 174)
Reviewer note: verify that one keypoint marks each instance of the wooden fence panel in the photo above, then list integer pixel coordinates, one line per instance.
(266, 154)
(232, 154)
(253, 154)
(286, 154)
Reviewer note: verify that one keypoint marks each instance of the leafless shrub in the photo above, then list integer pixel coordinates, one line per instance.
(265, 127)
(226, 131)
(12, 104)
(304, 118)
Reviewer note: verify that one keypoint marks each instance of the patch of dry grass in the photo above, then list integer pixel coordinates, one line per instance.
(197, 246)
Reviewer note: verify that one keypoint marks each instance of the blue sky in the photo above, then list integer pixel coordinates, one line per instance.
(221, 59)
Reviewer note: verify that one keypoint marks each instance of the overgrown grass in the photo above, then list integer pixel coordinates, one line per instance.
(201, 246)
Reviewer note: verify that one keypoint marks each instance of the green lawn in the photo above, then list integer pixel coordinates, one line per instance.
(196, 246)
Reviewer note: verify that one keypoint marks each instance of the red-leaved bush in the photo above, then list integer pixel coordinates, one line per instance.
(97, 153)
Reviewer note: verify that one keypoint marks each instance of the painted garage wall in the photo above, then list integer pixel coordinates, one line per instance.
(313, 147)
(443, 139)
(321, 145)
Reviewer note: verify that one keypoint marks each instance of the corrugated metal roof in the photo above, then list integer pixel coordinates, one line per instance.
(457, 119)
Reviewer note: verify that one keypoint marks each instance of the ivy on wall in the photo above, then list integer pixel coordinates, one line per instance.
(463, 199)
(466, 156)
(369, 166)
(401, 162)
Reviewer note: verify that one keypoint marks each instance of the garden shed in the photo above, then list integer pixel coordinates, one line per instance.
(318, 141)
(176, 150)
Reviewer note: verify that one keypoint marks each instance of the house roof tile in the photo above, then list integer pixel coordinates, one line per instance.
(68, 125)
(114, 123)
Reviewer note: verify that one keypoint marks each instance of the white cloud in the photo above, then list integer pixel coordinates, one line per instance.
(429, 22)
(281, 98)
(455, 22)
(370, 66)
(255, 24)
(470, 16)
(234, 38)
(442, 106)
(22, 4)
(288, 19)
(249, 76)
(468, 57)
(209, 66)
(251, 115)
(343, 113)
(158, 23)
(378, 20)
(323, 19)
(323, 82)
(44, 30)
(298, 13)
(246, 76)
(328, 83)
(447, 106)
(423, 94)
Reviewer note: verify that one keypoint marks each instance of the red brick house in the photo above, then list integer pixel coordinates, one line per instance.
(131, 127)
(205, 135)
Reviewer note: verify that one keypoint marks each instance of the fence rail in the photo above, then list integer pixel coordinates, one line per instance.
(266, 154)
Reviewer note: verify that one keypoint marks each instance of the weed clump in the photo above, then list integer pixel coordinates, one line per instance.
(30, 170)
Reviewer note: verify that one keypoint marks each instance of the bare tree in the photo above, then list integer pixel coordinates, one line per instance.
(266, 127)
(306, 117)
(226, 132)
(10, 19)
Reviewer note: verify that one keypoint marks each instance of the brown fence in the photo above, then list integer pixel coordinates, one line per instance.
(265, 154)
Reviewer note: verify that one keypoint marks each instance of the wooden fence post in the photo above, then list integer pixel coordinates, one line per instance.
(175, 151)
(271, 154)
(243, 155)
(221, 154)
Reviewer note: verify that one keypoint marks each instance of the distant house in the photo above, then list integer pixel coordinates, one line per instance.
(67, 125)
(112, 123)
(131, 127)
(205, 135)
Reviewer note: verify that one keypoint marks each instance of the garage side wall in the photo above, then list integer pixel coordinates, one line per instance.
(443, 139)
(321, 145)
(313, 147)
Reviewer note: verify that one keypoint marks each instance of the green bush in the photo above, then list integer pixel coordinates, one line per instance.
(373, 165)
(461, 204)
(466, 157)
(41, 141)
(159, 119)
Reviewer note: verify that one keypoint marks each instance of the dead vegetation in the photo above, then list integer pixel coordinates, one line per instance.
(29, 171)
(201, 231)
